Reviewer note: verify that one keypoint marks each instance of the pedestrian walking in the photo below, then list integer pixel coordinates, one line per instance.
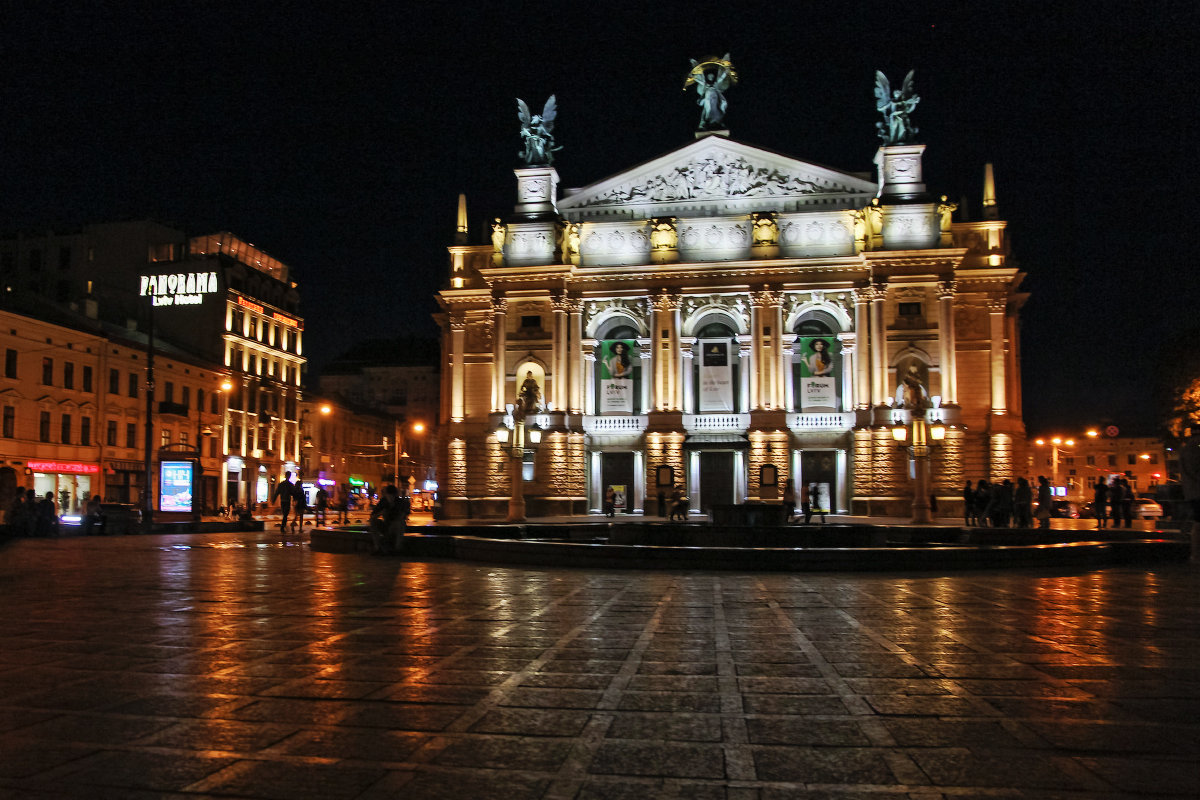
(1023, 503)
(46, 516)
(817, 499)
(1043, 500)
(983, 503)
(806, 502)
(322, 505)
(610, 502)
(285, 493)
(1127, 503)
(1100, 502)
(789, 502)
(968, 496)
(383, 517)
(1116, 496)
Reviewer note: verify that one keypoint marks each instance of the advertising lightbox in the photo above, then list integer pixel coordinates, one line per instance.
(175, 486)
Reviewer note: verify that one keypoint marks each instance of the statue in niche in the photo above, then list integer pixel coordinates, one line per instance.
(529, 398)
(911, 393)
(895, 105)
(712, 77)
(537, 131)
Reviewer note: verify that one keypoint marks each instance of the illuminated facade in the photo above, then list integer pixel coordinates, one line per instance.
(72, 411)
(214, 300)
(723, 320)
(1074, 463)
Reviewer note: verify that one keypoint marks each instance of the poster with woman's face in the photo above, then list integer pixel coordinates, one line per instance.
(820, 363)
(618, 360)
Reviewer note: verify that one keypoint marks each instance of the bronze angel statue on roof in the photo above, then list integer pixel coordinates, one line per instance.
(537, 131)
(895, 105)
(713, 77)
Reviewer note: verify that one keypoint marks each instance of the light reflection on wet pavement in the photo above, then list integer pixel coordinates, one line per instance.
(246, 665)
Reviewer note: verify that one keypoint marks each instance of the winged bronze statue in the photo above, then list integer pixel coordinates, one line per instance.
(712, 77)
(895, 105)
(537, 132)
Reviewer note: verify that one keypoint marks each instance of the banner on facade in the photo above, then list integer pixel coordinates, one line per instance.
(819, 359)
(716, 377)
(618, 360)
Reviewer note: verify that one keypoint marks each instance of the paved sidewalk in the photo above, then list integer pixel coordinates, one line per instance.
(245, 665)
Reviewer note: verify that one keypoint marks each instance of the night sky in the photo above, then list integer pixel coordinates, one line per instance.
(338, 140)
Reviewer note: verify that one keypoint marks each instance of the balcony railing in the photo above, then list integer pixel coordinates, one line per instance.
(615, 425)
(833, 421)
(731, 423)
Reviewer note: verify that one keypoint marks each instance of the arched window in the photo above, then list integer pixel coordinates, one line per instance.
(618, 370)
(817, 363)
(716, 370)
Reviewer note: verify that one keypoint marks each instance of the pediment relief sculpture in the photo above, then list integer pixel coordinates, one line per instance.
(716, 176)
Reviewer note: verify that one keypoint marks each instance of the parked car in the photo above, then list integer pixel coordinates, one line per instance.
(1144, 508)
(1060, 509)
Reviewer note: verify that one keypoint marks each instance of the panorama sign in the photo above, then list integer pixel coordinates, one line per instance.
(178, 289)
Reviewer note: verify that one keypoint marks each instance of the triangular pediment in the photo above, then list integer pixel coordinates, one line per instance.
(716, 175)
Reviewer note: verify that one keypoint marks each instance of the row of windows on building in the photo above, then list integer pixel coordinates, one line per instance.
(1130, 458)
(262, 330)
(132, 384)
(66, 432)
(261, 366)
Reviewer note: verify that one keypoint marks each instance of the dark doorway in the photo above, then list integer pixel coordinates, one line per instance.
(716, 479)
(616, 469)
(820, 466)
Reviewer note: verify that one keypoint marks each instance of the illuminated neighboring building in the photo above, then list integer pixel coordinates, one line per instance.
(347, 448)
(398, 378)
(216, 300)
(1074, 463)
(72, 411)
(723, 320)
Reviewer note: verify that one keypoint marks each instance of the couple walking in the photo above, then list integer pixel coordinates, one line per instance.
(813, 500)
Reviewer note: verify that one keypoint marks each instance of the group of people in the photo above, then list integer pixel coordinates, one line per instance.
(290, 496)
(31, 515)
(812, 501)
(1116, 497)
(1004, 504)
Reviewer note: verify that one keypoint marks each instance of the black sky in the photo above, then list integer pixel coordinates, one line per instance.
(338, 139)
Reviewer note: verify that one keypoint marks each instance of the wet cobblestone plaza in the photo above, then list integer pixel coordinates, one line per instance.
(245, 665)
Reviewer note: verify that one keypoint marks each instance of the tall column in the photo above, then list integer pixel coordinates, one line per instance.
(879, 352)
(575, 361)
(789, 373)
(780, 397)
(746, 368)
(862, 361)
(849, 371)
(589, 365)
(946, 342)
(558, 395)
(646, 356)
(665, 317)
(756, 365)
(499, 350)
(672, 352)
(458, 337)
(996, 310)
(687, 354)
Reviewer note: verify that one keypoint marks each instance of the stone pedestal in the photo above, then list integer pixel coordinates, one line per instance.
(537, 189)
(900, 175)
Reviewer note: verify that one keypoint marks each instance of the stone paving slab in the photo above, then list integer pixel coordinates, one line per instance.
(245, 665)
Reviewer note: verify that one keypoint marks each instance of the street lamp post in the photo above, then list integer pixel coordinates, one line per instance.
(920, 437)
(523, 433)
(1055, 449)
